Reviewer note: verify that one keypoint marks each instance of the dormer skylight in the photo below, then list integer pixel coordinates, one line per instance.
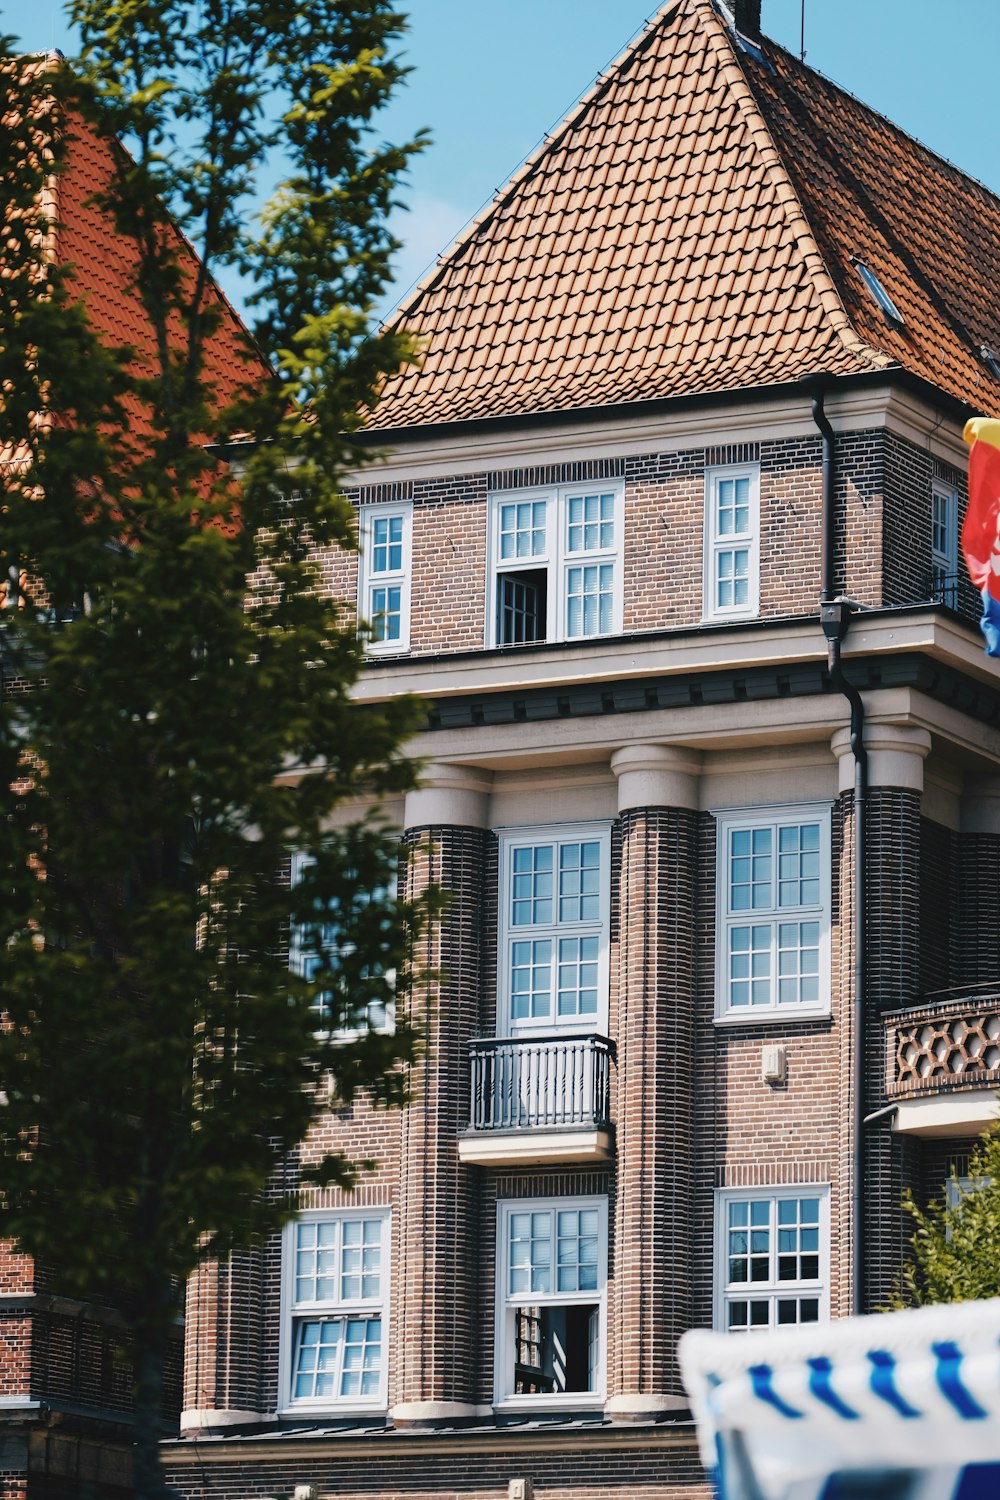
(991, 359)
(877, 290)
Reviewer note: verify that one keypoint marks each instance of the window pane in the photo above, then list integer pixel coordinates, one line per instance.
(531, 886)
(531, 980)
(387, 614)
(522, 529)
(530, 1252)
(387, 544)
(732, 578)
(590, 523)
(750, 861)
(589, 598)
(579, 882)
(578, 976)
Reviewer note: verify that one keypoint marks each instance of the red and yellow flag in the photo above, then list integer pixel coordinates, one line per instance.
(981, 531)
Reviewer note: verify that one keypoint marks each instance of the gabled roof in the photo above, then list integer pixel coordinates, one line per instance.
(689, 229)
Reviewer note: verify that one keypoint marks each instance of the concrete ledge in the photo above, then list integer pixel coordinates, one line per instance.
(195, 1420)
(644, 1408)
(962, 1112)
(498, 1148)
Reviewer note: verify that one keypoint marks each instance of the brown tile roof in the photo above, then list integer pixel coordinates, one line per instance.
(688, 229)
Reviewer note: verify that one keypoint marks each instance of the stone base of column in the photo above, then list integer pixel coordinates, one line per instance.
(194, 1420)
(633, 1407)
(436, 1413)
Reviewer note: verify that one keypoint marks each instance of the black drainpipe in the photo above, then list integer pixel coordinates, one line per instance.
(835, 618)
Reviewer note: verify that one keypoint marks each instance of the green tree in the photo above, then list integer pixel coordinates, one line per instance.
(956, 1243)
(178, 709)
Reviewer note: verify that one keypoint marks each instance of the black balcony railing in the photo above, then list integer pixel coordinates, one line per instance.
(956, 592)
(523, 1083)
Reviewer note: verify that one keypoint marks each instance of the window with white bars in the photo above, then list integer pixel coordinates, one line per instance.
(556, 564)
(944, 533)
(555, 912)
(552, 1273)
(773, 1257)
(335, 1281)
(384, 596)
(317, 944)
(732, 551)
(773, 912)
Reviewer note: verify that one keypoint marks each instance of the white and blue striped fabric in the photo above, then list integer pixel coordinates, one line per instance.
(902, 1406)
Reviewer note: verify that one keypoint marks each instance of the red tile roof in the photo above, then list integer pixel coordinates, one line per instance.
(688, 229)
(104, 263)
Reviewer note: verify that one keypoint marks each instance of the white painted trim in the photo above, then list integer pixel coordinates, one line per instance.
(556, 834)
(503, 1400)
(946, 561)
(497, 1148)
(287, 1405)
(556, 560)
(713, 543)
(618, 432)
(723, 1197)
(730, 820)
(955, 1113)
(401, 578)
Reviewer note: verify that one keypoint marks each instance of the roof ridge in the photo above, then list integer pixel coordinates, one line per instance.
(525, 167)
(830, 298)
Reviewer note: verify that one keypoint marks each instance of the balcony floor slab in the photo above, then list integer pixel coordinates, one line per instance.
(959, 1113)
(535, 1144)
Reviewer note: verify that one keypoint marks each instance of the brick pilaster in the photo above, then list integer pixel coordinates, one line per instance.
(891, 1161)
(223, 1343)
(435, 1286)
(655, 1148)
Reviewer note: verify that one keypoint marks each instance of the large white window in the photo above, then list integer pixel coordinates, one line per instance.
(732, 552)
(944, 541)
(555, 564)
(773, 1257)
(773, 912)
(555, 912)
(334, 1319)
(317, 944)
(552, 1260)
(384, 595)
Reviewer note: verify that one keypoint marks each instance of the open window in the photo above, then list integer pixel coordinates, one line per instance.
(552, 1302)
(556, 572)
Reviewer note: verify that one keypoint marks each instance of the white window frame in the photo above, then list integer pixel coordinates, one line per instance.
(556, 560)
(507, 1303)
(297, 958)
(331, 1309)
(717, 543)
(557, 835)
(369, 580)
(754, 818)
(944, 561)
(772, 1289)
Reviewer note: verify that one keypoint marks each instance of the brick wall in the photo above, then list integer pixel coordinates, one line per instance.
(882, 481)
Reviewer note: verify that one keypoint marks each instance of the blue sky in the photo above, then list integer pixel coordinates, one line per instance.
(491, 77)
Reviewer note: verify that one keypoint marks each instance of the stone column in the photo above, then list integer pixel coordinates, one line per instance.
(652, 1246)
(435, 1256)
(896, 754)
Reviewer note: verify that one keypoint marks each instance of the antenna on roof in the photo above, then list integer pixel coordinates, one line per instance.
(802, 33)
